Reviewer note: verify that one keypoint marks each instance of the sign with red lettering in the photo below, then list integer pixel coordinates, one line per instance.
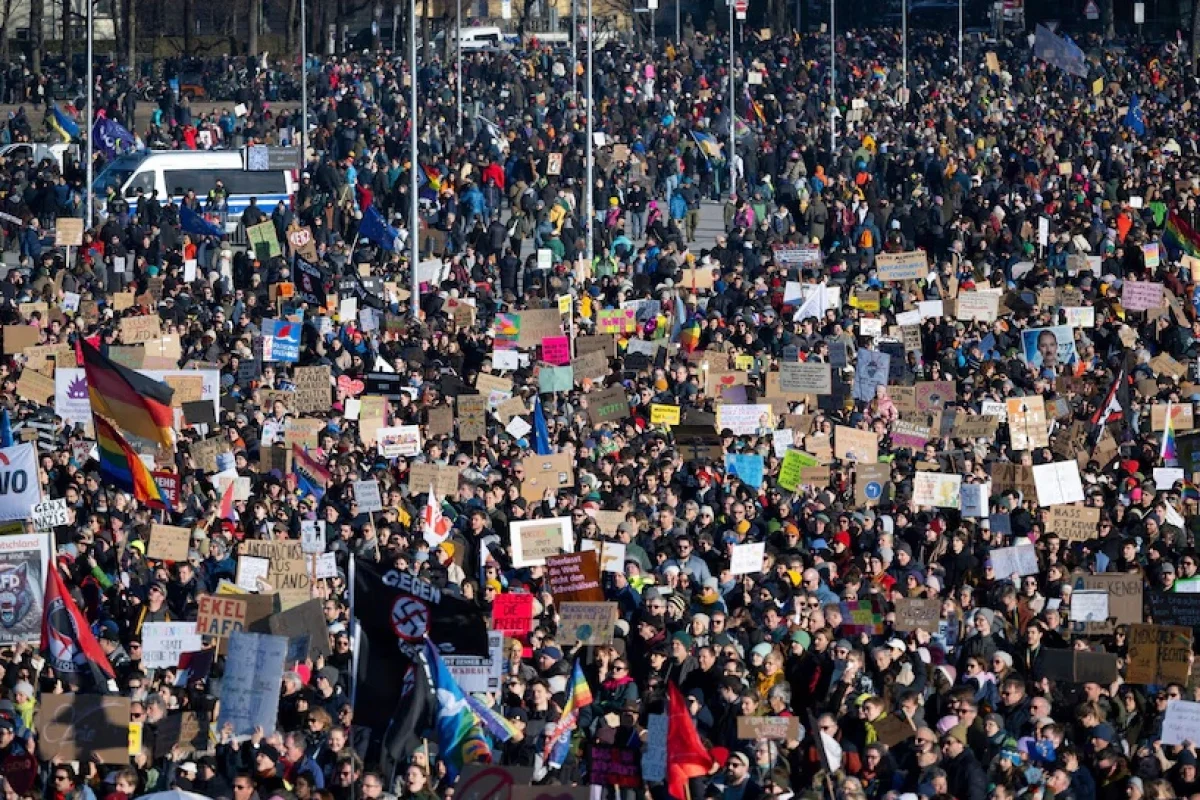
(512, 614)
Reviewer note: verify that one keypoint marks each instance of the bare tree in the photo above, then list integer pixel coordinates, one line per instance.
(1195, 46)
(68, 40)
(189, 25)
(37, 36)
(255, 14)
(4, 44)
(293, 14)
(131, 31)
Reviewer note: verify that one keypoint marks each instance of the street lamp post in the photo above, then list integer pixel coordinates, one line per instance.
(91, 115)
(458, 78)
(589, 190)
(414, 220)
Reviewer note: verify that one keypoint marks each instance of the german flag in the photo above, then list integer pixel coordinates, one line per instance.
(137, 404)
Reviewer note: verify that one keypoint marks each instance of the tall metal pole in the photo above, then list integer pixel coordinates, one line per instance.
(832, 81)
(904, 35)
(91, 115)
(960, 37)
(458, 36)
(678, 30)
(732, 109)
(575, 53)
(414, 220)
(304, 79)
(589, 248)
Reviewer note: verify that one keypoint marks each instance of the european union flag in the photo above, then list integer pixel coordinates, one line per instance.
(193, 223)
(1135, 120)
(373, 228)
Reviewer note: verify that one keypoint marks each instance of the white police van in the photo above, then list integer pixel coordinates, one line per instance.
(174, 172)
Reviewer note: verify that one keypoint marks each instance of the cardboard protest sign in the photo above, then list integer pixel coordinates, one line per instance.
(442, 477)
(537, 324)
(574, 577)
(1124, 599)
(1075, 523)
(534, 540)
(918, 613)
(288, 573)
(472, 417)
(307, 621)
(169, 542)
(1058, 483)
(774, 728)
(587, 623)
(853, 445)
(553, 472)
(79, 727)
(220, 615)
(747, 559)
(608, 405)
(810, 378)
(1027, 423)
(908, 266)
(1158, 654)
(1181, 416)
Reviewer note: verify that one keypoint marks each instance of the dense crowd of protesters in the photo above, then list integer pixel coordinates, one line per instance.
(965, 162)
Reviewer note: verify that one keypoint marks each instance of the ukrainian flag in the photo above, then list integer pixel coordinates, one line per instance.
(708, 144)
(63, 125)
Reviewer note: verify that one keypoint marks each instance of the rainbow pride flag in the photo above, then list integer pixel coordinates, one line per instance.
(1181, 237)
(120, 466)
(689, 335)
(558, 738)
(1191, 491)
(1169, 453)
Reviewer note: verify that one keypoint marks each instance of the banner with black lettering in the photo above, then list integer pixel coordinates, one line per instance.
(395, 612)
(19, 488)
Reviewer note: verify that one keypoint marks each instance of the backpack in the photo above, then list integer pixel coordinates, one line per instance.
(865, 239)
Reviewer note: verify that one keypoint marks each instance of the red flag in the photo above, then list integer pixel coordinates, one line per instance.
(225, 510)
(687, 757)
(67, 641)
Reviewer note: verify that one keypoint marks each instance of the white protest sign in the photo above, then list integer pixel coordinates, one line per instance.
(164, 642)
(1020, 560)
(50, 514)
(251, 570)
(975, 499)
(19, 486)
(327, 566)
(747, 558)
(1181, 722)
(1058, 483)
(1089, 605)
(312, 536)
(253, 675)
(367, 495)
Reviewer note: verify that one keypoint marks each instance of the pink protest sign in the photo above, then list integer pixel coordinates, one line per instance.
(556, 350)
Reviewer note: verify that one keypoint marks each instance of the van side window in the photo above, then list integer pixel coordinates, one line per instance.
(143, 181)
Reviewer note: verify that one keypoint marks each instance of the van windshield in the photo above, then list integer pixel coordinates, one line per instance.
(114, 176)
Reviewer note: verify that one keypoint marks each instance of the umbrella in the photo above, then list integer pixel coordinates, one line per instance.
(174, 794)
